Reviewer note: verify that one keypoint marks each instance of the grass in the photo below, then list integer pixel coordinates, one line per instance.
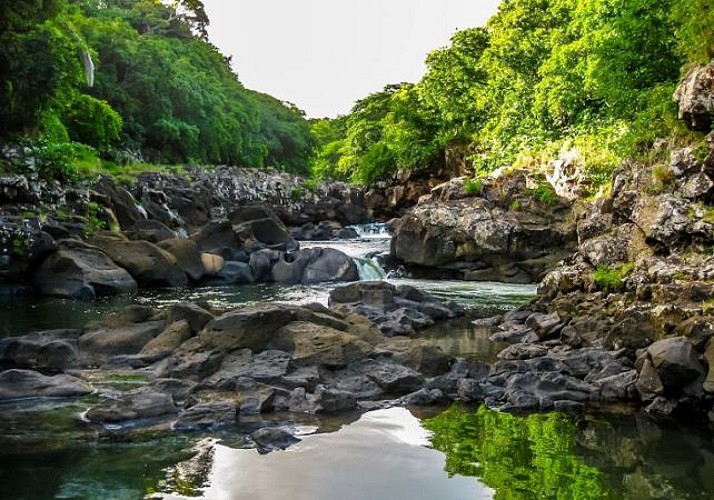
(473, 186)
(611, 278)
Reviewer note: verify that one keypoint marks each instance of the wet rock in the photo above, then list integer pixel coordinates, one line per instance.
(661, 409)
(334, 400)
(267, 366)
(148, 264)
(272, 439)
(255, 397)
(196, 316)
(251, 328)
(544, 325)
(424, 397)
(206, 416)
(420, 355)
(179, 390)
(523, 351)
(167, 341)
(236, 273)
(262, 262)
(216, 237)
(132, 405)
(24, 384)
(108, 340)
(78, 270)
(329, 264)
(122, 203)
(619, 387)
(212, 263)
(49, 351)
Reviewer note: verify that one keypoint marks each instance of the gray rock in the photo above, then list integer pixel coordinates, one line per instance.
(51, 350)
(696, 98)
(270, 439)
(649, 384)
(187, 255)
(24, 384)
(235, 272)
(78, 270)
(523, 351)
(391, 377)
(167, 341)
(206, 416)
(334, 400)
(153, 231)
(111, 340)
(676, 361)
(133, 405)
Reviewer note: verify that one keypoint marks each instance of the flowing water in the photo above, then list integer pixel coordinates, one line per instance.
(447, 453)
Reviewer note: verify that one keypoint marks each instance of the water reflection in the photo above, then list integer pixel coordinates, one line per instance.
(559, 456)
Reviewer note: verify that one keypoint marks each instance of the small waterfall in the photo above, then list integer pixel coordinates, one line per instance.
(373, 230)
(368, 269)
(88, 67)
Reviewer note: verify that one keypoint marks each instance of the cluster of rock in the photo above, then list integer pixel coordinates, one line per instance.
(497, 234)
(204, 367)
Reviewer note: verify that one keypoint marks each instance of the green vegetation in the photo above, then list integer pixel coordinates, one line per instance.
(611, 278)
(473, 186)
(519, 457)
(160, 90)
(543, 77)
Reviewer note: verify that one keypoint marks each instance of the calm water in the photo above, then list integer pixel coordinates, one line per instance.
(391, 454)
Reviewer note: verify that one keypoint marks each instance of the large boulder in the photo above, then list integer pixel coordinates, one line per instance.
(187, 256)
(257, 223)
(695, 96)
(133, 405)
(150, 266)
(51, 350)
(79, 270)
(676, 361)
(23, 384)
(150, 230)
(127, 210)
(314, 265)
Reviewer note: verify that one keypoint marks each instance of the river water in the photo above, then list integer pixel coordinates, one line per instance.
(443, 453)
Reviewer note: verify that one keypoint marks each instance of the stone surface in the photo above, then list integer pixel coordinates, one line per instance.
(78, 270)
(25, 384)
(206, 416)
(270, 439)
(695, 96)
(132, 405)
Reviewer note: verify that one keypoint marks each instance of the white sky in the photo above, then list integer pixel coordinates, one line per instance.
(323, 55)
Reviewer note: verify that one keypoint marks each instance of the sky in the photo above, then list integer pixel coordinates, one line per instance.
(323, 55)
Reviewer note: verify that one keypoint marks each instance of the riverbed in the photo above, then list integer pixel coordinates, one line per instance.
(395, 453)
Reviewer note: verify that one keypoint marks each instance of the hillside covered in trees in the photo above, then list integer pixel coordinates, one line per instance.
(542, 78)
(134, 80)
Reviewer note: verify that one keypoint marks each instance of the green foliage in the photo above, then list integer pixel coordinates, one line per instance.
(160, 88)
(60, 161)
(543, 77)
(611, 278)
(519, 457)
(544, 193)
(473, 186)
(662, 176)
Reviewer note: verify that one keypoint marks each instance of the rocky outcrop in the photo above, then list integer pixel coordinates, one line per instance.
(695, 96)
(79, 270)
(507, 236)
(28, 384)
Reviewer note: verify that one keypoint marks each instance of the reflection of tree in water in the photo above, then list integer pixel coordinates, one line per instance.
(519, 457)
(555, 456)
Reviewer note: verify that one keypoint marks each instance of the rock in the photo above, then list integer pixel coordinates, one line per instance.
(122, 203)
(676, 361)
(661, 409)
(149, 265)
(696, 97)
(619, 387)
(206, 416)
(312, 344)
(523, 351)
(24, 384)
(238, 273)
(180, 390)
(216, 237)
(48, 351)
(544, 325)
(196, 316)
(255, 397)
(268, 366)
(260, 224)
(420, 355)
(392, 378)
(334, 400)
(709, 357)
(329, 264)
(153, 231)
(251, 327)
(348, 233)
(167, 341)
(104, 341)
(78, 270)
(649, 384)
(188, 258)
(270, 439)
(261, 263)
(212, 263)
(132, 405)
(424, 397)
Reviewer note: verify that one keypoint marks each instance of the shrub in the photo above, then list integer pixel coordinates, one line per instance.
(611, 278)
(473, 186)
(545, 193)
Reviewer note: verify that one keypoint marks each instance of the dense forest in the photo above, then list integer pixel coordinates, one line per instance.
(542, 78)
(134, 80)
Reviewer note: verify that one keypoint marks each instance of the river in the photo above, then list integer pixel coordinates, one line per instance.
(439, 453)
